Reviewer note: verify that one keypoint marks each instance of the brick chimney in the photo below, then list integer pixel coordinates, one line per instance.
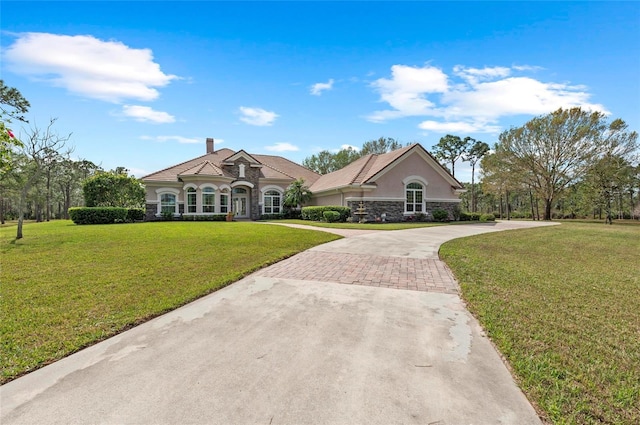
(209, 144)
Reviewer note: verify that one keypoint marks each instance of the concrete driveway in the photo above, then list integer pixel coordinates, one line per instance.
(373, 332)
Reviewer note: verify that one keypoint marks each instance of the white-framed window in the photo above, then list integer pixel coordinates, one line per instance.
(208, 200)
(272, 202)
(224, 203)
(192, 200)
(414, 202)
(168, 203)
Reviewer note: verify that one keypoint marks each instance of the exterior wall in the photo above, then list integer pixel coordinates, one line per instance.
(447, 206)
(392, 210)
(333, 199)
(391, 185)
(251, 175)
(266, 185)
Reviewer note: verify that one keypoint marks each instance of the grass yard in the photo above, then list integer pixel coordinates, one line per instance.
(362, 226)
(65, 287)
(562, 304)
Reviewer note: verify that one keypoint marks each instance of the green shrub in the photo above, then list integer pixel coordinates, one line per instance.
(420, 217)
(315, 213)
(468, 216)
(331, 216)
(98, 215)
(440, 215)
(135, 214)
(487, 217)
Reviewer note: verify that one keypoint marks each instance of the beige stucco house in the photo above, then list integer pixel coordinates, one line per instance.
(391, 186)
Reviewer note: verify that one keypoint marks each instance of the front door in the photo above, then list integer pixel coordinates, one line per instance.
(240, 203)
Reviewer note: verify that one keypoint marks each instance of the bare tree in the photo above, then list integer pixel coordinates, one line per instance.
(40, 147)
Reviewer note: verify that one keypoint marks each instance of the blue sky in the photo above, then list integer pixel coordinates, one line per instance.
(142, 84)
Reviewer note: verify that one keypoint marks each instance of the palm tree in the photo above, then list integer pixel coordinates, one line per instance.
(297, 194)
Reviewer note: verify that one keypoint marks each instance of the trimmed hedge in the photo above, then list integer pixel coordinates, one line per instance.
(331, 216)
(316, 213)
(135, 214)
(98, 215)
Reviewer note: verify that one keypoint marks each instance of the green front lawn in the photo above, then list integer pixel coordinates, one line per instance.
(562, 304)
(65, 287)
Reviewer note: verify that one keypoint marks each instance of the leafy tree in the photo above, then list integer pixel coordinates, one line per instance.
(327, 162)
(321, 163)
(113, 189)
(380, 146)
(12, 106)
(552, 151)
(297, 194)
(475, 153)
(450, 149)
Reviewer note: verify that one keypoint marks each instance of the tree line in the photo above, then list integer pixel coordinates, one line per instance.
(39, 179)
(565, 164)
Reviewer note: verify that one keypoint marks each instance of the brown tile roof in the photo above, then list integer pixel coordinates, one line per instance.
(358, 172)
(364, 169)
(279, 167)
(274, 167)
(205, 168)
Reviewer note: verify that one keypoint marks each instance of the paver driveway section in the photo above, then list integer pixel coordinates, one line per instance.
(277, 350)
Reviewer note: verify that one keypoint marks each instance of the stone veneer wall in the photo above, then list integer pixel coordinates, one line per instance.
(447, 206)
(394, 210)
(251, 175)
(150, 212)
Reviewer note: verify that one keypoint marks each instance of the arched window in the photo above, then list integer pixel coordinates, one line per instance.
(191, 200)
(224, 201)
(168, 203)
(414, 198)
(208, 200)
(272, 202)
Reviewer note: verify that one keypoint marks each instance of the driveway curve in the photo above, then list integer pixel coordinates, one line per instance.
(324, 337)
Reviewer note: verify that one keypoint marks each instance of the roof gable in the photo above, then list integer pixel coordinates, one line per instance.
(366, 170)
(205, 168)
(241, 154)
(392, 162)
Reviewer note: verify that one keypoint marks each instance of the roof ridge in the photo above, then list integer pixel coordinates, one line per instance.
(365, 168)
(280, 171)
(184, 162)
(286, 159)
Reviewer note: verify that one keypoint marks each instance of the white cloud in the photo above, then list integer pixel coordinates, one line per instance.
(147, 114)
(257, 116)
(318, 88)
(472, 99)
(282, 147)
(89, 67)
(474, 75)
(179, 139)
(458, 127)
(407, 89)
